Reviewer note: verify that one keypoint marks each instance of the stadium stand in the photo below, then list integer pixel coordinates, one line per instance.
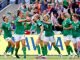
(12, 7)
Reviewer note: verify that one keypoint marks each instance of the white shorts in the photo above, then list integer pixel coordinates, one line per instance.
(8, 38)
(19, 37)
(68, 37)
(75, 40)
(49, 39)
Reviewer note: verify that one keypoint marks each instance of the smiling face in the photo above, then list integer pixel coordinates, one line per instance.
(36, 17)
(46, 18)
(74, 17)
(5, 19)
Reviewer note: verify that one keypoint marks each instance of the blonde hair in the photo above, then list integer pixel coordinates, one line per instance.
(66, 15)
(47, 16)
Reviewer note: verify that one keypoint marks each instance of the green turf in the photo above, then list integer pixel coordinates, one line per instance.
(34, 58)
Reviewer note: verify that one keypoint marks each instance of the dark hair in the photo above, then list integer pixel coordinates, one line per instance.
(24, 6)
(18, 12)
(76, 16)
(3, 18)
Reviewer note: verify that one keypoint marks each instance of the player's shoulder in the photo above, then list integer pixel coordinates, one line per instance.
(3, 23)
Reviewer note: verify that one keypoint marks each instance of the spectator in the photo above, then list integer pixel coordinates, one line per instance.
(78, 10)
(65, 4)
(8, 2)
(37, 5)
(23, 8)
(27, 1)
(44, 5)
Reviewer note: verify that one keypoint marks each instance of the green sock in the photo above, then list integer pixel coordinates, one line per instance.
(24, 51)
(38, 48)
(68, 51)
(7, 48)
(45, 49)
(12, 50)
(76, 51)
(16, 51)
(57, 49)
(43, 53)
(70, 48)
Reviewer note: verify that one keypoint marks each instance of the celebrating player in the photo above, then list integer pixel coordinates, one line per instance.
(49, 35)
(67, 32)
(76, 32)
(19, 33)
(39, 32)
(6, 27)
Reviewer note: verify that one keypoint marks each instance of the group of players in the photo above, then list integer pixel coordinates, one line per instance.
(71, 32)
(43, 28)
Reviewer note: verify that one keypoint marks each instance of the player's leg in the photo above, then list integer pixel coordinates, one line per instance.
(17, 43)
(78, 46)
(41, 45)
(38, 47)
(17, 49)
(7, 48)
(45, 48)
(23, 45)
(75, 44)
(12, 46)
(45, 51)
(9, 45)
(67, 44)
(45, 42)
(54, 45)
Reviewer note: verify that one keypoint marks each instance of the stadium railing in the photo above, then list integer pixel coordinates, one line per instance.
(3, 4)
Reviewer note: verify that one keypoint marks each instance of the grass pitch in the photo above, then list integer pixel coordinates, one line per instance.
(34, 58)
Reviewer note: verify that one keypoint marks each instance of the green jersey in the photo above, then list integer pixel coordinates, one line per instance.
(76, 29)
(6, 27)
(65, 3)
(19, 26)
(48, 30)
(33, 26)
(39, 23)
(28, 26)
(66, 23)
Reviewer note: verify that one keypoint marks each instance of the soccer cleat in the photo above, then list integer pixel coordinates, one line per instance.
(25, 57)
(78, 54)
(5, 54)
(69, 56)
(17, 56)
(73, 55)
(13, 56)
(60, 55)
(44, 57)
(39, 56)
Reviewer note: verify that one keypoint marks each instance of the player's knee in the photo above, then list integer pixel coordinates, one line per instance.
(45, 43)
(23, 44)
(13, 45)
(37, 42)
(53, 44)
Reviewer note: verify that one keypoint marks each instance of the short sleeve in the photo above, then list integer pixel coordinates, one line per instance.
(39, 23)
(69, 21)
